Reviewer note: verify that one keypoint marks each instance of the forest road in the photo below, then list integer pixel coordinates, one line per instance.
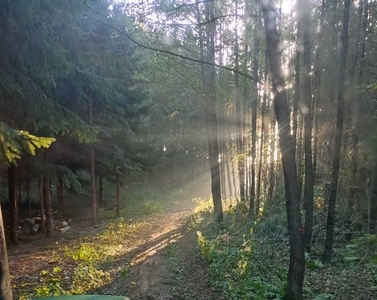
(166, 265)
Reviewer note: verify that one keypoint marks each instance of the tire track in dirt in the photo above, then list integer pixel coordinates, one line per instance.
(148, 271)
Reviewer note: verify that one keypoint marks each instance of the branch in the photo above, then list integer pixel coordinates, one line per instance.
(127, 35)
(198, 24)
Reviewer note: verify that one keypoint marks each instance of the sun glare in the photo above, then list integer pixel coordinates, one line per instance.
(287, 6)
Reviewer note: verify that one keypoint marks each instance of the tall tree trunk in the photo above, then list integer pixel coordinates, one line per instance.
(47, 205)
(92, 170)
(318, 81)
(272, 157)
(356, 113)
(239, 140)
(254, 107)
(338, 137)
(232, 165)
(28, 198)
(19, 181)
(117, 190)
(230, 191)
(262, 130)
(296, 99)
(41, 205)
(297, 259)
(305, 15)
(208, 78)
(100, 189)
(12, 182)
(299, 157)
(5, 283)
(372, 212)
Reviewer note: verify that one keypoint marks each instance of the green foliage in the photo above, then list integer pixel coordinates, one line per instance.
(324, 297)
(236, 258)
(15, 142)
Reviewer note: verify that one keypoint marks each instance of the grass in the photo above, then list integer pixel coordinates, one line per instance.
(248, 258)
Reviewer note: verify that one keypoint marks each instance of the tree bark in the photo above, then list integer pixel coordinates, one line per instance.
(92, 171)
(47, 205)
(356, 112)
(60, 191)
(318, 81)
(338, 138)
(28, 198)
(12, 188)
(297, 259)
(208, 79)
(6, 287)
(262, 130)
(296, 99)
(19, 181)
(240, 142)
(232, 165)
(254, 107)
(40, 191)
(272, 157)
(305, 14)
(230, 191)
(117, 188)
(100, 189)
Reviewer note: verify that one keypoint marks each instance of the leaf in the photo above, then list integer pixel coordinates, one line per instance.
(324, 296)
(350, 258)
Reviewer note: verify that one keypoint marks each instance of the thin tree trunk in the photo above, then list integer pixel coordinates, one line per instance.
(239, 140)
(222, 142)
(254, 107)
(60, 196)
(28, 198)
(40, 192)
(296, 99)
(12, 188)
(272, 157)
(117, 188)
(5, 283)
(19, 181)
(208, 78)
(92, 170)
(356, 113)
(233, 169)
(228, 172)
(47, 205)
(297, 259)
(262, 131)
(318, 81)
(372, 204)
(100, 192)
(338, 138)
(305, 14)
(299, 157)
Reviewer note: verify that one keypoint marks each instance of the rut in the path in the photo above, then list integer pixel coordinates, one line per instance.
(165, 266)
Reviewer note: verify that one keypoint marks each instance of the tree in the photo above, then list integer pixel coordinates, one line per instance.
(304, 14)
(297, 258)
(327, 254)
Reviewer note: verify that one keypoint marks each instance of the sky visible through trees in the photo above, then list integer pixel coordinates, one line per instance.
(269, 105)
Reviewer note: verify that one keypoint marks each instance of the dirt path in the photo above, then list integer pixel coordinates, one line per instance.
(158, 261)
(166, 265)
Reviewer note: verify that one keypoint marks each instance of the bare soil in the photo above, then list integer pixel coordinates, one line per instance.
(161, 260)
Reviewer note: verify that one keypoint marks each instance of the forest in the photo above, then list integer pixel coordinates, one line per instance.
(188, 149)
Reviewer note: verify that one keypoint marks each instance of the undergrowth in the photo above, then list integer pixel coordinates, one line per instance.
(90, 258)
(89, 261)
(249, 258)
